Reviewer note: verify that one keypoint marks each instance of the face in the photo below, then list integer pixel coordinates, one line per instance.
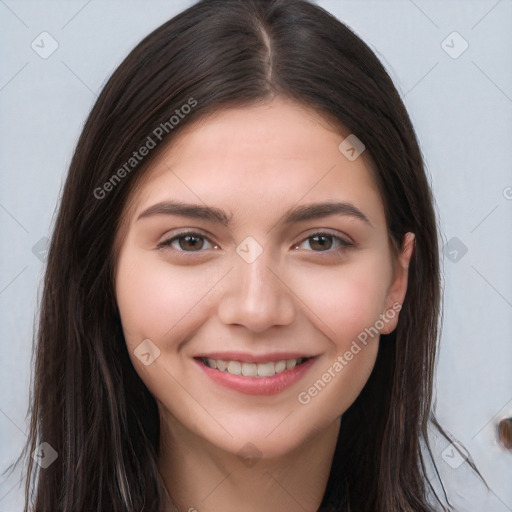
(253, 278)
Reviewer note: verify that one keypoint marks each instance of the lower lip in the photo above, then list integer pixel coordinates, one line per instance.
(258, 385)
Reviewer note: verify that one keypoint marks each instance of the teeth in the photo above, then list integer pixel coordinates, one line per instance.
(280, 366)
(234, 367)
(290, 363)
(249, 370)
(268, 369)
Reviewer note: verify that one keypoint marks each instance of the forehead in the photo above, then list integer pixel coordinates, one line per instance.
(260, 157)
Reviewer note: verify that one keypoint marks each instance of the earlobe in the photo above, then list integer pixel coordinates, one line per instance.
(396, 293)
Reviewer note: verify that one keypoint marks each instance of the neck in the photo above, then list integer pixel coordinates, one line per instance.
(201, 477)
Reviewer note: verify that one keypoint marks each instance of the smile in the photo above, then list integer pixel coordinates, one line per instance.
(255, 377)
(267, 369)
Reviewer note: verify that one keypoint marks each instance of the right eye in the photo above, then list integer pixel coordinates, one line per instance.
(187, 242)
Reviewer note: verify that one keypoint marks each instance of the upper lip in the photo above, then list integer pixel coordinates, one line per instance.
(254, 358)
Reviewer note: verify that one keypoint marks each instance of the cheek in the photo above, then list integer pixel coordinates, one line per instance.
(345, 300)
(348, 302)
(154, 298)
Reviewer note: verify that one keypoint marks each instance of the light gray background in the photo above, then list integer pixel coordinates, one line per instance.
(462, 111)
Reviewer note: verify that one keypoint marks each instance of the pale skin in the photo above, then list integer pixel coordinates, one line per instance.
(306, 294)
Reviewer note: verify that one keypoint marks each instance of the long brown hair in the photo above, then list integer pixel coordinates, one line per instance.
(89, 404)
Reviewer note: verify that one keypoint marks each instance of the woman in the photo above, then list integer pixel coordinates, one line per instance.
(241, 303)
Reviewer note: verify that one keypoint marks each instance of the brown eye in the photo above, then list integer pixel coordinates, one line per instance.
(190, 242)
(323, 242)
(187, 242)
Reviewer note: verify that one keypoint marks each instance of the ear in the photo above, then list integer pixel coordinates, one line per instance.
(396, 291)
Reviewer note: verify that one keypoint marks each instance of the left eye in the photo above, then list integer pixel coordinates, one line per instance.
(187, 242)
(323, 242)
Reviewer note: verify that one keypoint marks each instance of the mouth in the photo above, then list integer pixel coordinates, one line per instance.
(255, 376)
(254, 369)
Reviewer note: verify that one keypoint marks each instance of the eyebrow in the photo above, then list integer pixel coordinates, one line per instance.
(216, 215)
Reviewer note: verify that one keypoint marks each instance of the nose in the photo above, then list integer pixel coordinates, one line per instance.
(257, 296)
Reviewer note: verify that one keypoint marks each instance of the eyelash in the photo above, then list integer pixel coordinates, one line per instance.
(343, 244)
